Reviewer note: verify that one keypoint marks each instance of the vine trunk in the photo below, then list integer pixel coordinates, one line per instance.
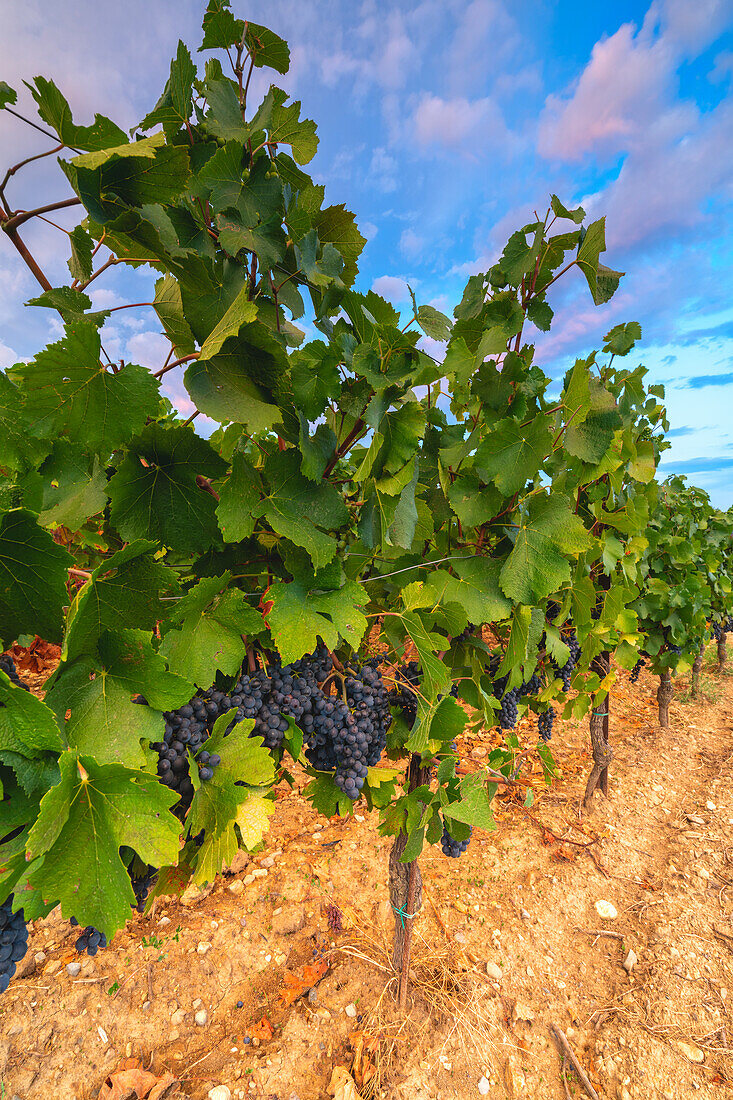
(599, 736)
(664, 698)
(696, 670)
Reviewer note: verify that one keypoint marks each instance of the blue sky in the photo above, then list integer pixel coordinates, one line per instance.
(443, 125)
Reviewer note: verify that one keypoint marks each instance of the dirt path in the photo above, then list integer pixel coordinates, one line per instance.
(522, 900)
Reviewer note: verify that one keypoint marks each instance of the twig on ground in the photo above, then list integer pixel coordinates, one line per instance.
(150, 982)
(564, 1080)
(567, 1050)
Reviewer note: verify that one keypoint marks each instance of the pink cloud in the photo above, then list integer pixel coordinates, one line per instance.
(459, 122)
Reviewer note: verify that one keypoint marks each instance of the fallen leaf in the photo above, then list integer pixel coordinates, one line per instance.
(300, 981)
(263, 1030)
(342, 1085)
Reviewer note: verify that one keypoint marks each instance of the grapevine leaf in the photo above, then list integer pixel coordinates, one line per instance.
(55, 111)
(173, 109)
(7, 95)
(83, 821)
(314, 377)
(266, 49)
(512, 453)
(621, 339)
(204, 633)
(82, 246)
(434, 323)
(33, 573)
(326, 797)
(18, 448)
(540, 314)
(474, 807)
(538, 563)
(154, 492)
(602, 281)
(285, 126)
(124, 588)
(336, 226)
(252, 818)
(589, 437)
(73, 485)
(240, 313)
(169, 307)
(300, 615)
(561, 211)
(221, 29)
(137, 174)
(27, 726)
(238, 383)
(316, 449)
(67, 389)
(238, 496)
(215, 806)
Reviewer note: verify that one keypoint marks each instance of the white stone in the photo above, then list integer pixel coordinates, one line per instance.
(268, 861)
(248, 880)
(523, 1012)
(494, 972)
(711, 805)
(73, 969)
(178, 1017)
(690, 1051)
(163, 921)
(236, 887)
(483, 1086)
(203, 947)
(261, 872)
(606, 910)
(40, 957)
(630, 961)
(201, 1017)
(198, 1003)
(219, 1092)
(350, 1011)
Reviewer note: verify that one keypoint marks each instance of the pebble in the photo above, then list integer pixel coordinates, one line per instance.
(350, 1011)
(147, 1006)
(312, 997)
(201, 1017)
(163, 921)
(40, 957)
(523, 1012)
(711, 805)
(178, 1017)
(606, 910)
(268, 861)
(73, 969)
(483, 1086)
(198, 1003)
(690, 1051)
(173, 1035)
(248, 880)
(459, 937)
(203, 947)
(261, 872)
(219, 1092)
(630, 961)
(494, 972)
(235, 887)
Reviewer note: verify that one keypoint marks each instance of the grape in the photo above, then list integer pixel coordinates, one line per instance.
(407, 676)
(566, 672)
(13, 940)
(451, 847)
(636, 670)
(7, 664)
(508, 710)
(728, 624)
(544, 724)
(90, 940)
(141, 885)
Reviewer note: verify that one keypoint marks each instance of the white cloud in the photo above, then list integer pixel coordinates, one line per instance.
(383, 170)
(411, 243)
(460, 123)
(7, 356)
(392, 288)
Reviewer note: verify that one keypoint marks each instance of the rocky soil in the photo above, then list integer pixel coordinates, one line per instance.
(226, 989)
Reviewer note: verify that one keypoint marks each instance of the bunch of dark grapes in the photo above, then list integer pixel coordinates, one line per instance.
(403, 695)
(451, 847)
(544, 724)
(531, 687)
(728, 624)
(566, 672)
(508, 711)
(13, 940)
(335, 918)
(185, 728)
(676, 649)
(636, 670)
(7, 664)
(717, 629)
(90, 940)
(141, 885)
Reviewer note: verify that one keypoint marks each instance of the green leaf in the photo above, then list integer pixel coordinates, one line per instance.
(27, 726)
(83, 822)
(540, 314)
(221, 29)
(474, 807)
(237, 384)
(73, 485)
(336, 225)
(154, 492)
(602, 281)
(589, 437)
(173, 109)
(33, 574)
(519, 257)
(203, 635)
(266, 49)
(621, 338)
(561, 211)
(238, 496)
(124, 589)
(55, 111)
(326, 797)
(434, 323)
(285, 127)
(68, 390)
(239, 314)
(169, 307)
(300, 615)
(82, 246)
(253, 818)
(7, 95)
(137, 174)
(549, 535)
(512, 453)
(215, 806)
(18, 449)
(316, 449)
